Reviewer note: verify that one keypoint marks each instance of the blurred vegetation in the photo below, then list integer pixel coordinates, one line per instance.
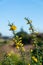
(14, 59)
(4, 39)
(0, 35)
(26, 38)
(35, 55)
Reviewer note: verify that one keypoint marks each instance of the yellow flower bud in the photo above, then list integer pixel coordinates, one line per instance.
(28, 64)
(20, 38)
(9, 54)
(40, 63)
(17, 47)
(30, 21)
(31, 50)
(34, 58)
(18, 43)
(23, 49)
(22, 45)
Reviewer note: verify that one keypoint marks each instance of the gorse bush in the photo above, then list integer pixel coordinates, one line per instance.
(10, 59)
(35, 55)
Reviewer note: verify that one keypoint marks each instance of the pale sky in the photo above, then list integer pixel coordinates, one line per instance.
(16, 10)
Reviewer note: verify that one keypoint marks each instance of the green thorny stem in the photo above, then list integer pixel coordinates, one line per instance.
(20, 48)
(33, 36)
(14, 33)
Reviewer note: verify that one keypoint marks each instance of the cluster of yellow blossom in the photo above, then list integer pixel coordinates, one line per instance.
(18, 43)
(22, 48)
(13, 27)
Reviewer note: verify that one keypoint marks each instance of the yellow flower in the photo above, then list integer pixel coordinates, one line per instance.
(20, 41)
(28, 64)
(30, 21)
(40, 63)
(31, 50)
(20, 38)
(23, 49)
(9, 54)
(17, 47)
(12, 52)
(13, 27)
(34, 58)
(21, 45)
(17, 43)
